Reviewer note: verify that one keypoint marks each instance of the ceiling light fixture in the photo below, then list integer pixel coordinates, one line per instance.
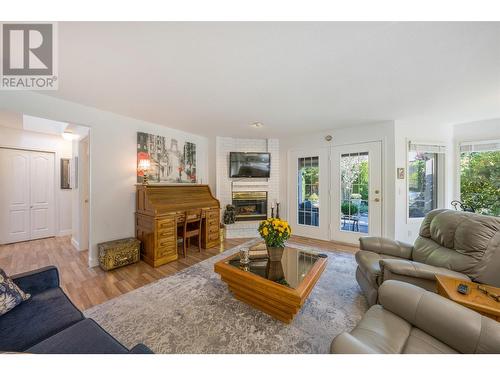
(257, 125)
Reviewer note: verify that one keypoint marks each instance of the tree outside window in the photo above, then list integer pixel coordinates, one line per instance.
(480, 181)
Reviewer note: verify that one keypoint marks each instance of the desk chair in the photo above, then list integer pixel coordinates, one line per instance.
(191, 228)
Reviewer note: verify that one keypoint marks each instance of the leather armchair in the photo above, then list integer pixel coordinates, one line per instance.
(411, 320)
(452, 243)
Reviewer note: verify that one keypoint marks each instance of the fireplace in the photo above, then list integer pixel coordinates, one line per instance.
(250, 205)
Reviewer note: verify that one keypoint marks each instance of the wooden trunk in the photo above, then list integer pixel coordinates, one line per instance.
(161, 208)
(114, 254)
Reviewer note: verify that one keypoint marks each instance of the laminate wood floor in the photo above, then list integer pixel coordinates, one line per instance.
(87, 287)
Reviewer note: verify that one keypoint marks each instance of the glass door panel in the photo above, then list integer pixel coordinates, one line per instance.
(354, 190)
(308, 191)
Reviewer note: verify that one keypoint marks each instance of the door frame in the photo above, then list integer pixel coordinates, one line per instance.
(55, 217)
(384, 182)
(84, 234)
(335, 221)
(322, 232)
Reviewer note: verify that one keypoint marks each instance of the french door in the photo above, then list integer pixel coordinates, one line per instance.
(356, 191)
(26, 195)
(308, 193)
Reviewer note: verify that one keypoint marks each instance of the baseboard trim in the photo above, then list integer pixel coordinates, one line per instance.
(64, 233)
(75, 243)
(93, 262)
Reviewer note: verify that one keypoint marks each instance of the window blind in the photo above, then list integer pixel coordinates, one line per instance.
(426, 147)
(482, 146)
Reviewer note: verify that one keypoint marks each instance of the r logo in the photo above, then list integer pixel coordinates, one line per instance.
(27, 49)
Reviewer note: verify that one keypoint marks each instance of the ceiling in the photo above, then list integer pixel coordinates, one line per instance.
(218, 78)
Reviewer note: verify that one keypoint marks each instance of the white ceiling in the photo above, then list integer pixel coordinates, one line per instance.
(217, 78)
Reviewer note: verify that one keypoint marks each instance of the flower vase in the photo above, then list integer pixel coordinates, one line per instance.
(275, 253)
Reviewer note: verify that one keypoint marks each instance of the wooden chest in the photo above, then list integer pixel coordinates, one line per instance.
(114, 254)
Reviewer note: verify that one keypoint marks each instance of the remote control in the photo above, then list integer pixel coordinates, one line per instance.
(463, 289)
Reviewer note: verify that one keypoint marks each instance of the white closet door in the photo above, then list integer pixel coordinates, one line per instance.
(27, 204)
(42, 194)
(14, 196)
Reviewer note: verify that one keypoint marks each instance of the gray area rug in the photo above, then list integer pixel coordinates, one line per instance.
(194, 312)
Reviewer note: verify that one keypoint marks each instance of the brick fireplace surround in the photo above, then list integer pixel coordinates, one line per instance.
(227, 186)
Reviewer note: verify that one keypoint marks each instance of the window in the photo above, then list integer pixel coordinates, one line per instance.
(480, 176)
(424, 164)
(308, 191)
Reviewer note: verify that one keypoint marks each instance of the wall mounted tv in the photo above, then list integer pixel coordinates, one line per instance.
(249, 164)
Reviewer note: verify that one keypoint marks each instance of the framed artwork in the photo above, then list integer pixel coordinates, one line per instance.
(65, 174)
(171, 161)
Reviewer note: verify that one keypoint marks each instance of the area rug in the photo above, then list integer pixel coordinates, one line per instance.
(194, 312)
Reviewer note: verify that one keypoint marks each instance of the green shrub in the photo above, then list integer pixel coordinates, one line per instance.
(345, 208)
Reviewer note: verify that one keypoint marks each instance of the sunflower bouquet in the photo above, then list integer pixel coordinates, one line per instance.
(275, 232)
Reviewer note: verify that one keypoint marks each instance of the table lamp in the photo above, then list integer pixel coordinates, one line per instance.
(144, 165)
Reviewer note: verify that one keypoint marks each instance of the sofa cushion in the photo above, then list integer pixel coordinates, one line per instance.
(460, 241)
(420, 342)
(420, 274)
(42, 316)
(10, 294)
(382, 331)
(368, 263)
(84, 337)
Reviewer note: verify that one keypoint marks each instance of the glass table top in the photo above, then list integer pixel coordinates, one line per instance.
(294, 266)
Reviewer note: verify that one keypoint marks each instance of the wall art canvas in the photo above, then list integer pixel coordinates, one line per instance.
(171, 161)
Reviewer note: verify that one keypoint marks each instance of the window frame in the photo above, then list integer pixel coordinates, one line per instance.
(440, 177)
(458, 159)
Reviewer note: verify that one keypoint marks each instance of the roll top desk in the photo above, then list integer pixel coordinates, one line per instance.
(161, 208)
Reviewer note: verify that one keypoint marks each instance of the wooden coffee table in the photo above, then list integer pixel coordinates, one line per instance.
(475, 300)
(276, 288)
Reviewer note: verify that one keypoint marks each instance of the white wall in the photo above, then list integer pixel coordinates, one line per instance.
(113, 147)
(404, 131)
(383, 131)
(22, 139)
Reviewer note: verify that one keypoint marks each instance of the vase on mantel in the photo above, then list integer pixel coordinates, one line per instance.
(275, 253)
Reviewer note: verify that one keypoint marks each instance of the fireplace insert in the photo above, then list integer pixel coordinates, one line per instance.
(250, 205)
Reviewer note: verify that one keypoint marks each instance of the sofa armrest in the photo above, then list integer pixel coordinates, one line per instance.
(416, 269)
(345, 343)
(461, 328)
(386, 246)
(141, 349)
(37, 281)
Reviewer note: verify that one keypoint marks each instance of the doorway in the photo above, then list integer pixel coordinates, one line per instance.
(336, 192)
(28, 195)
(356, 191)
(309, 193)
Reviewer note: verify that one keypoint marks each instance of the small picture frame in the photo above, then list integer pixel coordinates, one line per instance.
(400, 173)
(65, 174)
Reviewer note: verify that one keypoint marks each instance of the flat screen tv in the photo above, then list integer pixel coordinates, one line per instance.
(249, 164)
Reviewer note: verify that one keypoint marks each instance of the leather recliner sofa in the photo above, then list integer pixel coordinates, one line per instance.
(411, 320)
(459, 244)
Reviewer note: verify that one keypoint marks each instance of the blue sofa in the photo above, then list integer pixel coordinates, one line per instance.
(49, 323)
